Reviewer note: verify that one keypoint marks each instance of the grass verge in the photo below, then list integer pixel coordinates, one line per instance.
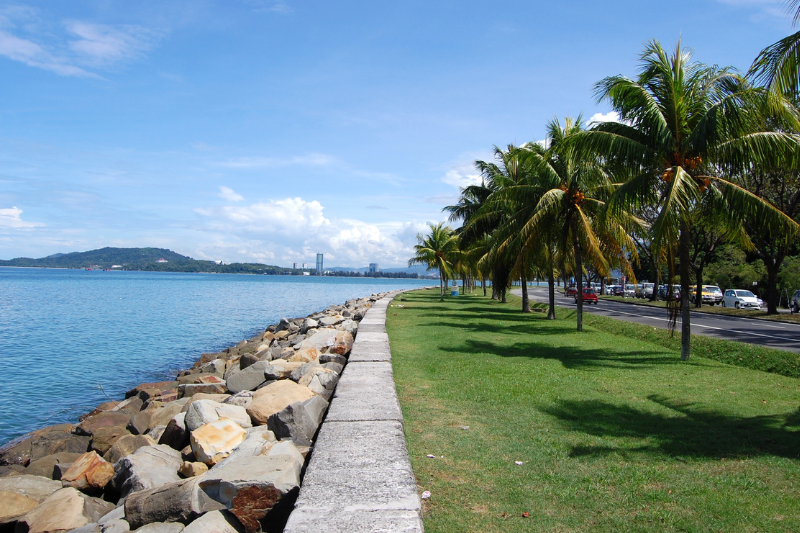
(614, 433)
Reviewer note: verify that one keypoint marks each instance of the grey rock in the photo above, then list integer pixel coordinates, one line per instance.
(217, 366)
(333, 358)
(60, 469)
(299, 421)
(251, 486)
(249, 378)
(117, 514)
(88, 528)
(336, 367)
(161, 527)
(298, 373)
(258, 439)
(147, 468)
(204, 412)
(180, 501)
(242, 399)
(156, 432)
(215, 522)
(116, 526)
(308, 323)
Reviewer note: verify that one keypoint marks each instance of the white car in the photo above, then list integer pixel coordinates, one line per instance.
(741, 299)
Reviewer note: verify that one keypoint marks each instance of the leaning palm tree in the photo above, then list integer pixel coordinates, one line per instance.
(681, 122)
(437, 250)
(778, 65)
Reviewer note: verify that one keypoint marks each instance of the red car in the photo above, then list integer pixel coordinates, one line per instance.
(589, 296)
(571, 291)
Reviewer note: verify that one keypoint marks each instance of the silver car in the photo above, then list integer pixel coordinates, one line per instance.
(741, 299)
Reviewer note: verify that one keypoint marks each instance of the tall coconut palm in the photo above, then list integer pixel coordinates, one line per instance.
(564, 201)
(681, 122)
(437, 250)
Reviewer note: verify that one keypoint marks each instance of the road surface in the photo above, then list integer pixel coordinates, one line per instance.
(779, 335)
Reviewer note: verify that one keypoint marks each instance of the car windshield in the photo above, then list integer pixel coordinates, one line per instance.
(588, 291)
(746, 294)
(712, 289)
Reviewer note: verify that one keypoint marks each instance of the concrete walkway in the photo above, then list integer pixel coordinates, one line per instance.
(359, 478)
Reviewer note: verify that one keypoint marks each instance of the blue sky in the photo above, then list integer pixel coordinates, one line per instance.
(269, 131)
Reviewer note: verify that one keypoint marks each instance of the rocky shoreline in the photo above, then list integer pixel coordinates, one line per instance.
(222, 448)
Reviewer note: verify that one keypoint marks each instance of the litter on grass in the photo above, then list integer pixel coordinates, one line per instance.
(518, 463)
(431, 456)
(426, 495)
(465, 428)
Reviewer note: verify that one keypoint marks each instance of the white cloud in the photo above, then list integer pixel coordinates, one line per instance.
(462, 176)
(229, 194)
(611, 116)
(294, 229)
(273, 162)
(10, 218)
(68, 48)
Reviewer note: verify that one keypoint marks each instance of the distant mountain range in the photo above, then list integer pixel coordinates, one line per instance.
(163, 260)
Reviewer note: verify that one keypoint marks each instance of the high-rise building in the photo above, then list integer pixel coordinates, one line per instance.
(295, 265)
(320, 271)
(373, 268)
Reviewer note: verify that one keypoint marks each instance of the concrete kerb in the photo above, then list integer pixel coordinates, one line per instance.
(359, 477)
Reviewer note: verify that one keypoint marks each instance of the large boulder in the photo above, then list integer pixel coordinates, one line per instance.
(330, 341)
(180, 501)
(258, 442)
(105, 419)
(20, 494)
(126, 446)
(89, 471)
(251, 486)
(303, 355)
(209, 384)
(46, 465)
(249, 378)
(215, 522)
(41, 443)
(242, 399)
(216, 440)
(176, 435)
(299, 421)
(104, 438)
(165, 414)
(206, 411)
(148, 467)
(161, 527)
(322, 381)
(274, 398)
(64, 510)
(280, 369)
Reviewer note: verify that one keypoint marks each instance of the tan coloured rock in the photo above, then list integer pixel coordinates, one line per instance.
(46, 465)
(275, 397)
(215, 441)
(193, 469)
(105, 419)
(330, 341)
(104, 438)
(304, 355)
(281, 368)
(64, 510)
(127, 445)
(165, 414)
(88, 472)
(20, 494)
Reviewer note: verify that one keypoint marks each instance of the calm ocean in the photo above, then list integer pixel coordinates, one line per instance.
(68, 338)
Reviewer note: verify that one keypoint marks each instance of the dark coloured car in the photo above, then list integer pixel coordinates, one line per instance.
(589, 296)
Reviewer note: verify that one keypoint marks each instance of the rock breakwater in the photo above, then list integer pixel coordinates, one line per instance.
(222, 447)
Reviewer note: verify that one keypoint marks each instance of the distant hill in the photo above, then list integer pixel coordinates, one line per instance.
(151, 259)
(163, 260)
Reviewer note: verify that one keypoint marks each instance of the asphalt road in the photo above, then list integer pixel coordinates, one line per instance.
(766, 333)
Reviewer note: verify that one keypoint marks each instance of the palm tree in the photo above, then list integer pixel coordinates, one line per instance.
(778, 65)
(681, 122)
(562, 203)
(437, 250)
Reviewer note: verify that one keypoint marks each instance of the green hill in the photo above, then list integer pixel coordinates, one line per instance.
(143, 259)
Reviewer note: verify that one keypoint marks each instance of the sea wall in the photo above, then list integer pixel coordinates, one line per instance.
(222, 447)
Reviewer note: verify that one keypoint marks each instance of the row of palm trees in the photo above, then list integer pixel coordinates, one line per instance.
(579, 201)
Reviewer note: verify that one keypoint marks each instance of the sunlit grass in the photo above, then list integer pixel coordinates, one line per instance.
(614, 432)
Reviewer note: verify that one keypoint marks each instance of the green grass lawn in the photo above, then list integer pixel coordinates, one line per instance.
(614, 433)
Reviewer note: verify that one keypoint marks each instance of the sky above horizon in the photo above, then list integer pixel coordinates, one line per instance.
(268, 131)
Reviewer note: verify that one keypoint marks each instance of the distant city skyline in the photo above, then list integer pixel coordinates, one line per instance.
(267, 131)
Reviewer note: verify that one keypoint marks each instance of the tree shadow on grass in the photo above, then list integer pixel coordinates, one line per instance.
(569, 356)
(700, 432)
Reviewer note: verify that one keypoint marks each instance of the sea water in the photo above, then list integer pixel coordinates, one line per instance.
(72, 339)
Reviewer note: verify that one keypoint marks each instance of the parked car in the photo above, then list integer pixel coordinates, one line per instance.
(663, 290)
(711, 294)
(794, 304)
(630, 291)
(741, 299)
(609, 290)
(572, 290)
(589, 296)
(645, 290)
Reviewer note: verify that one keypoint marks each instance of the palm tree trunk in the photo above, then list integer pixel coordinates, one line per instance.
(483, 284)
(551, 289)
(495, 296)
(578, 275)
(441, 285)
(526, 304)
(684, 244)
